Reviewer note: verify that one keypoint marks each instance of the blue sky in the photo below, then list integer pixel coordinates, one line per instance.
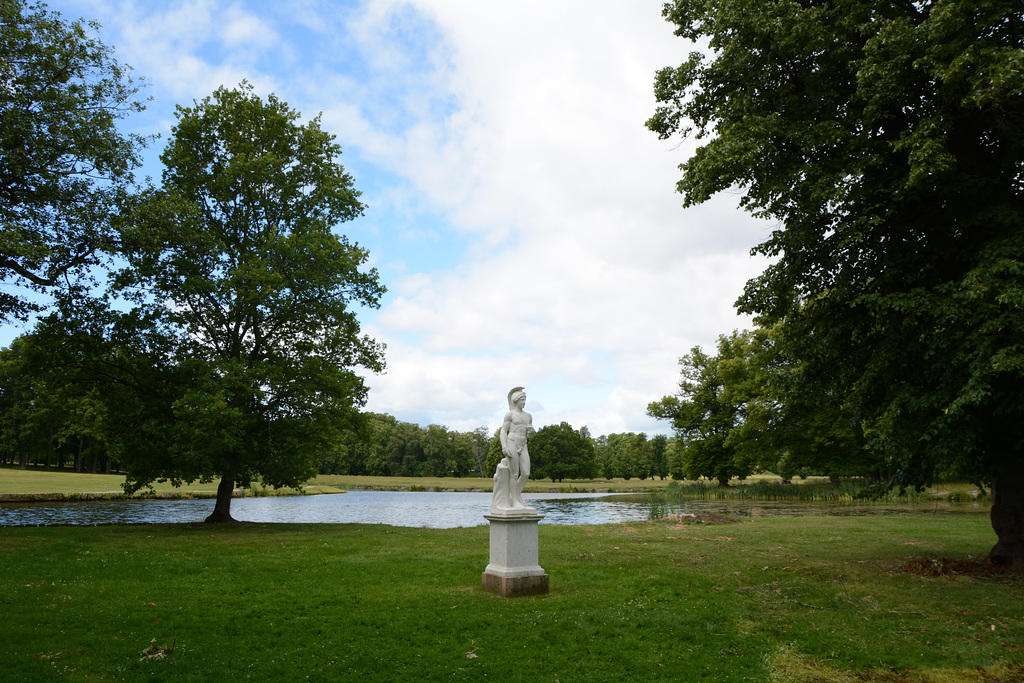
(523, 219)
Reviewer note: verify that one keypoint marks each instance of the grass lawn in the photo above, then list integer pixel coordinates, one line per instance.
(37, 481)
(882, 598)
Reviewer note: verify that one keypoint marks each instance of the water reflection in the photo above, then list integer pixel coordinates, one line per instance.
(439, 510)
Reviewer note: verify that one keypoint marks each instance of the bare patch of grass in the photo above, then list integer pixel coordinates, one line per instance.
(786, 666)
(955, 566)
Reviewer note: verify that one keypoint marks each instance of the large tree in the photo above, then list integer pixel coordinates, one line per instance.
(885, 138)
(241, 341)
(737, 411)
(625, 455)
(64, 166)
(658, 447)
(559, 452)
(705, 413)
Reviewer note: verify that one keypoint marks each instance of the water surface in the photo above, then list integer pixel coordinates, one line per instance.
(440, 510)
(397, 508)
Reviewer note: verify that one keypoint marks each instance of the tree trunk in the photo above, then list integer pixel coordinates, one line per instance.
(49, 443)
(225, 489)
(1008, 516)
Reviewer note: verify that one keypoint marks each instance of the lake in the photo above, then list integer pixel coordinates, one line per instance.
(439, 510)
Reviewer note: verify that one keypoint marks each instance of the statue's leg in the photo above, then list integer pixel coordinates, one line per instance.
(523, 476)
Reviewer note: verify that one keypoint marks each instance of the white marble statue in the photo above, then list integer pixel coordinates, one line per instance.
(514, 469)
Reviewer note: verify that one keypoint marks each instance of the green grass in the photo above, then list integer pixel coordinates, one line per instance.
(35, 481)
(813, 599)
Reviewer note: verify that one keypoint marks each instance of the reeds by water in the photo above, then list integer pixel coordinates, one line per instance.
(843, 492)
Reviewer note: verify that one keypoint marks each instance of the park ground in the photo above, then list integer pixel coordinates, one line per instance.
(898, 598)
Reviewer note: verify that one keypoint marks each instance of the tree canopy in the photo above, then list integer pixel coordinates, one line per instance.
(64, 166)
(704, 417)
(886, 140)
(559, 451)
(735, 413)
(237, 355)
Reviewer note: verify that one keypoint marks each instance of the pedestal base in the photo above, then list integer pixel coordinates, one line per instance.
(516, 586)
(513, 570)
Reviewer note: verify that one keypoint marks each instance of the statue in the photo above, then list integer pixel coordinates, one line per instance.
(513, 569)
(514, 469)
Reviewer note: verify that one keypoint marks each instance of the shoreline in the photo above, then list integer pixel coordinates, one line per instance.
(108, 496)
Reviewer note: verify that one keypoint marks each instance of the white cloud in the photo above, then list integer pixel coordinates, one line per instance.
(242, 30)
(187, 49)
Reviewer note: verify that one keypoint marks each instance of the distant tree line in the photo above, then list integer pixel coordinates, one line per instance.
(629, 455)
(45, 424)
(386, 446)
(382, 445)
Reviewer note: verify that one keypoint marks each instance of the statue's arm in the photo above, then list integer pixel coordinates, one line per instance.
(503, 434)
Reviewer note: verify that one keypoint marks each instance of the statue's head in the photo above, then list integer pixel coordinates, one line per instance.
(514, 395)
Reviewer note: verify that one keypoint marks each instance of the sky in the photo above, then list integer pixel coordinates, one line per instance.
(523, 219)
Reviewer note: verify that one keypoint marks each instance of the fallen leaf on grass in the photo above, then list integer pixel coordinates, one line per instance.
(155, 651)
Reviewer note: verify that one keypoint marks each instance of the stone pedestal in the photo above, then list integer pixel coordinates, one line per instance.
(513, 570)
